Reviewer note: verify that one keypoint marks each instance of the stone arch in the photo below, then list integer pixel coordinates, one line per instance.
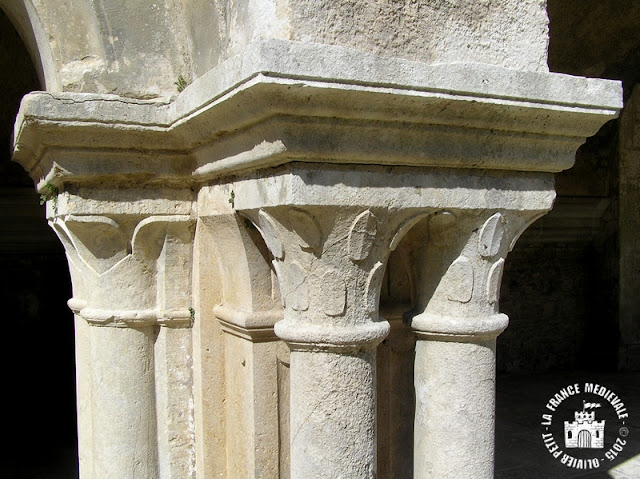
(101, 47)
(24, 18)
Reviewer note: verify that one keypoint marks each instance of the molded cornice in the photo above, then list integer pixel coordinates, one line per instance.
(283, 101)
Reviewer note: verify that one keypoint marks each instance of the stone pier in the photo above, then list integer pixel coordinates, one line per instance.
(228, 244)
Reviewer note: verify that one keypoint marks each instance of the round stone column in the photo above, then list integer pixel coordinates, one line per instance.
(130, 278)
(460, 270)
(333, 400)
(124, 423)
(330, 264)
(455, 396)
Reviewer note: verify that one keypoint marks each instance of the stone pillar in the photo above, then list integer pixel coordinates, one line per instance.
(329, 249)
(459, 283)
(252, 378)
(131, 282)
(329, 263)
(331, 152)
(253, 396)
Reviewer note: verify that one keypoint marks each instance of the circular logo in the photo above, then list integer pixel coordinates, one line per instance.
(583, 425)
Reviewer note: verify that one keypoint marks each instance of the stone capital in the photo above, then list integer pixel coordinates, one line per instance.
(460, 269)
(129, 269)
(329, 261)
(330, 232)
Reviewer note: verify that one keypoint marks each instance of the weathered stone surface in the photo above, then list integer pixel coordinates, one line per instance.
(203, 133)
(262, 204)
(103, 47)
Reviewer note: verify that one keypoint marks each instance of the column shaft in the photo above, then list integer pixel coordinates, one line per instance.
(333, 414)
(454, 375)
(124, 412)
(455, 401)
(84, 403)
(329, 262)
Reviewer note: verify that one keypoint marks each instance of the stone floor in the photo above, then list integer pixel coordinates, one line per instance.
(520, 452)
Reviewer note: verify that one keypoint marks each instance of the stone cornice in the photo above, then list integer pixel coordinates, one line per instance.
(284, 101)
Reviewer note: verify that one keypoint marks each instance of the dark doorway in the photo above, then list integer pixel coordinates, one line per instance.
(38, 354)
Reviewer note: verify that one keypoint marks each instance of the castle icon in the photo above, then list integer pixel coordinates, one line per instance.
(585, 432)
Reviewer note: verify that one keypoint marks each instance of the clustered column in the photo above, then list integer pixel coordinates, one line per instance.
(330, 243)
(131, 277)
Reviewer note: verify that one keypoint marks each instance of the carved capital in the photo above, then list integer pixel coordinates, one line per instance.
(330, 263)
(330, 232)
(460, 270)
(129, 271)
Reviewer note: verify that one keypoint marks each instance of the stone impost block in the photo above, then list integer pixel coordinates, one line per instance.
(280, 101)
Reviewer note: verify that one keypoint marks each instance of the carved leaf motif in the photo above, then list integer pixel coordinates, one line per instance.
(459, 278)
(271, 235)
(491, 234)
(494, 281)
(362, 235)
(372, 290)
(307, 228)
(334, 293)
(98, 240)
(298, 291)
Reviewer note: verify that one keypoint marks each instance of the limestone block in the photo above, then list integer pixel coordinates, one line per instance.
(509, 33)
(208, 359)
(139, 49)
(257, 445)
(133, 49)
